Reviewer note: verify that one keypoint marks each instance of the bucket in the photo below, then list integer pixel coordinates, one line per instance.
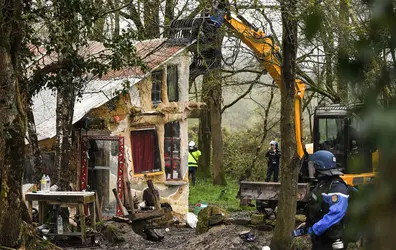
(199, 206)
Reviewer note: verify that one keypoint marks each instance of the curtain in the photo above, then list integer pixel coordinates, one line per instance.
(143, 149)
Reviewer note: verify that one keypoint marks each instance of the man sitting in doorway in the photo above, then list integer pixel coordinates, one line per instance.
(193, 156)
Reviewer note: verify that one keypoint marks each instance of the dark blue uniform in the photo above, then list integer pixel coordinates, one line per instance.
(273, 164)
(327, 207)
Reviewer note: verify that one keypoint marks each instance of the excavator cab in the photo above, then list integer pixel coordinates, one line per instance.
(337, 129)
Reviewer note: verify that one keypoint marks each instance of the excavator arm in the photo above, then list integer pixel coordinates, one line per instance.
(201, 29)
(268, 53)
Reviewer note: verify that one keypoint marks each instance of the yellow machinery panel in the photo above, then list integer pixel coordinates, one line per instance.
(358, 179)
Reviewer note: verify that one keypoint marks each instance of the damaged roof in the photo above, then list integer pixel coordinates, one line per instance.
(154, 53)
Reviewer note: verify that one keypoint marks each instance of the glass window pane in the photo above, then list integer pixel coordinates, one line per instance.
(176, 129)
(331, 129)
(167, 149)
(176, 170)
(168, 130)
(156, 78)
(332, 136)
(172, 82)
(176, 148)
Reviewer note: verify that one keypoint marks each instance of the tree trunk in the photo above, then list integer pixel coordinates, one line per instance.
(64, 118)
(12, 123)
(12, 142)
(342, 85)
(151, 18)
(204, 133)
(97, 33)
(282, 239)
(134, 13)
(169, 15)
(217, 135)
(116, 31)
(34, 146)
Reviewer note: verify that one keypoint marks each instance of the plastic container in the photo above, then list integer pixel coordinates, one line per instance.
(60, 225)
(48, 183)
(199, 206)
(43, 184)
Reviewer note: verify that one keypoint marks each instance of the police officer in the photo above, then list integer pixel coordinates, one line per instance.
(327, 205)
(273, 155)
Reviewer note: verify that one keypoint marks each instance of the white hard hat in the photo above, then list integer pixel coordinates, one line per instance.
(191, 144)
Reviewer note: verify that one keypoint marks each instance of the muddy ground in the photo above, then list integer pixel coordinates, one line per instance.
(118, 235)
(219, 237)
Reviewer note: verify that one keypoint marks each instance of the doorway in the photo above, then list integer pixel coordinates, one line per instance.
(102, 170)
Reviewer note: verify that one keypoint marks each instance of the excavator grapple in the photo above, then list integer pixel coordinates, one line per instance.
(185, 31)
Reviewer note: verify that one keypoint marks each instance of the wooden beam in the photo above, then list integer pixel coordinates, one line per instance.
(153, 194)
(129, 197)
(145, 215)
(98, 207)
(195, 113)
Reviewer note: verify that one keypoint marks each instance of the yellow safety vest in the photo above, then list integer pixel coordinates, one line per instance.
(191, 161)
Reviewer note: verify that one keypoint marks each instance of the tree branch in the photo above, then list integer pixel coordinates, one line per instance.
(273, 33)
(101, 15)
(248, 171)
(238, 99)
(135, 17)
(314, 87)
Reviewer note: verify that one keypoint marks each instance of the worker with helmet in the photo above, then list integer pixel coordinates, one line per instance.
(193, 157)
(327, 204)
(273, 155)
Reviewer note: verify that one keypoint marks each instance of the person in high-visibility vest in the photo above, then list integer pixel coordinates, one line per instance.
(193, 157)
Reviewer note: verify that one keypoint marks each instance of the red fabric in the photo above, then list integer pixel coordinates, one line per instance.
(143, 151)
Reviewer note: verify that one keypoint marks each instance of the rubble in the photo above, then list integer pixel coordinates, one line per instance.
(119, 235)
(225, 237)
(257, 219)
(205, 216)
(300, 218)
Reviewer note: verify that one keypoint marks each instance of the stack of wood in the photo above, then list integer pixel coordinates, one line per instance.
(129, 210)
(130, 214)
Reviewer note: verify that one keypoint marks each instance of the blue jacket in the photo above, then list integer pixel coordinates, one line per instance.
(327, 206)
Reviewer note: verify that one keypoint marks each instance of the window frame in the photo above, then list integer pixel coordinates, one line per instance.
(176, 82)
(157, 162)
(172, 139)
(156, 86)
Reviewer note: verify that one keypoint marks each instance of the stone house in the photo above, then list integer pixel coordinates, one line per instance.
(129, 126)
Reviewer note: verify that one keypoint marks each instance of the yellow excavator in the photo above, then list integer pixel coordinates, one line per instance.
(335, 126)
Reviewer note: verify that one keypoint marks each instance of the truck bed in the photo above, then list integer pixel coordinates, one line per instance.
(269, 190)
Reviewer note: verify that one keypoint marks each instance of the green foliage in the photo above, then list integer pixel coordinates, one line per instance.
(239, 150)
(370, 67)
(60, 32)
(313, 22)
(223, 197)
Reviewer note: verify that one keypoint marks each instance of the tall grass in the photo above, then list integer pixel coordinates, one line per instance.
(221, 196)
